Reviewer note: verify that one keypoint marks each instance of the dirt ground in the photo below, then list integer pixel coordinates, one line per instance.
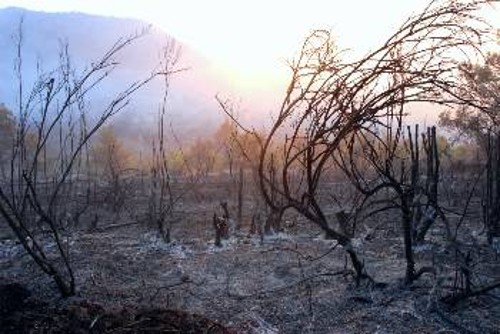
(129, 280)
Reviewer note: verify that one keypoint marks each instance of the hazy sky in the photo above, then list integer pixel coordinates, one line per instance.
(249, 40)
(250, 37)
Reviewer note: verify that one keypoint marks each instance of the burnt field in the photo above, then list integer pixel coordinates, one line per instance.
(288, 281)
(336, 212)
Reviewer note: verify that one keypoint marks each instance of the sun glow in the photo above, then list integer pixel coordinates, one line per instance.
(251, 40)
(247, 40)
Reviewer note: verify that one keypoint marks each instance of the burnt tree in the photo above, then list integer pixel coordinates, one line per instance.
(331, 99)
(36, 194)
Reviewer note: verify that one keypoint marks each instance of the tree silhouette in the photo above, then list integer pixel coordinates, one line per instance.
(331, 99)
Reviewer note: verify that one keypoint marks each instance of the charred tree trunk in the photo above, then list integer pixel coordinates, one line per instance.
(431, 210)
(408, 240)
(221, 229)
(345, 242)
(239, 218)
(492, 193)
(273, 222)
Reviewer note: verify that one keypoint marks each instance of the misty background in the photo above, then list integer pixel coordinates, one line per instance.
(192, 108)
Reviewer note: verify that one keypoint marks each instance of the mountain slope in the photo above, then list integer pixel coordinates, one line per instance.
(191, 103)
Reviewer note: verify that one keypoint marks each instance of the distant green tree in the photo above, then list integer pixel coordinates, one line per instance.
(225, 138)
(479, 119)
(479, 93)
(112, 159)
(110, 154)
